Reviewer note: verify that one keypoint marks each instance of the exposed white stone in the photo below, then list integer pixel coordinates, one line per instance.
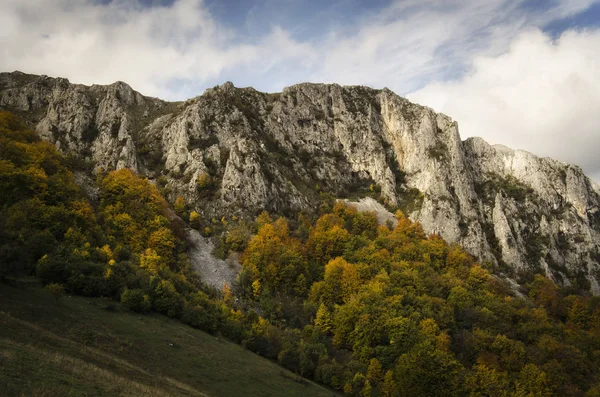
(279, 151)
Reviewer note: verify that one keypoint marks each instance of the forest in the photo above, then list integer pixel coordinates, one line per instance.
(363, 308)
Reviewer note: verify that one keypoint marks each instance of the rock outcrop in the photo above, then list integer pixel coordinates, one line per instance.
(237, 151)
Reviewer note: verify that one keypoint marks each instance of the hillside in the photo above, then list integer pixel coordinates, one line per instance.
(332, 295)
(94, 347)
(237, 151)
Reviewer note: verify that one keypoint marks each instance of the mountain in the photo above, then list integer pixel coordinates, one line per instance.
(237, 151)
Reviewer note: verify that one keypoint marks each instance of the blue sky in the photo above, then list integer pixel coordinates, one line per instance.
(439, 38)
(517, 72)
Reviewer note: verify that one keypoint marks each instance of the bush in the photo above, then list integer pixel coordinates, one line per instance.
(204, 181)
(56, 290)
(180, 207)
(199, 317)
(195, 220)
(237, 239)
(136, 300)
(167, 300)
(52, 269)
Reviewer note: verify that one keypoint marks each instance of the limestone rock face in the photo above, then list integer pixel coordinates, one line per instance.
(237, 151)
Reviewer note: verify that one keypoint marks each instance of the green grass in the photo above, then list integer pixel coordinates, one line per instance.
(93, 347)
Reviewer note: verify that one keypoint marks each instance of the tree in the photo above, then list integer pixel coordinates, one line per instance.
(532, 383)
(327, 241)
(151, 261)
(162, 241)
(358, 382)
(300, 285)
(310, 354)
(227, 295)
(366, 390)
(578, 314)
(256, 288)
(427, 371)
(485, 381)
(274, 258)
(341, 281)
(545, 293)
(180, 207)
(511, 352)
(375, 371)
(323, 321)
(389, 388)
(167, 300)
(195, 220)
(136, 300)
(263, 219)
(237, 238)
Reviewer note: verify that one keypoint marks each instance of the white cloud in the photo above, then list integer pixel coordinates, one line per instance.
(542, 95)
(414, 41)
(523, 89)
(149, 48)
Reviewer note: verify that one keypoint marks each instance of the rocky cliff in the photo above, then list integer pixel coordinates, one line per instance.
(237, 151)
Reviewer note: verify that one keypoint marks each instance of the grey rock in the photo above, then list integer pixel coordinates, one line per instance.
(280, 151)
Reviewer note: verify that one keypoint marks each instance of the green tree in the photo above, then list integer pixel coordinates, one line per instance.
(167, 300)
(367, 390)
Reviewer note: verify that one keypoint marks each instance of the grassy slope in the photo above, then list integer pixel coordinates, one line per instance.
(92, 347)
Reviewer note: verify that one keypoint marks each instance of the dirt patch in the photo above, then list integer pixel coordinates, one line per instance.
(368, 204)
(213, 271)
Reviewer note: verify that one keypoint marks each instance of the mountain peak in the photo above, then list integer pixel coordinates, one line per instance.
(237, 151)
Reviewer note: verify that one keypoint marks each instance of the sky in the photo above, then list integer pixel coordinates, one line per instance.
(523, 73)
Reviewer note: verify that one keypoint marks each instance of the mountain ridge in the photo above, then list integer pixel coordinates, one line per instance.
(236, 151)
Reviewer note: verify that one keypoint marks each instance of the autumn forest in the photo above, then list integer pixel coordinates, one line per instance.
(362, 308)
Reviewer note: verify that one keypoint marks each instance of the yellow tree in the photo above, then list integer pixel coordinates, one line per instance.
(323, 321)
(341, 280)
(162, 241)
(389, 388)
(532, 383)
(375, 371)
(179, 206)
(195, 220)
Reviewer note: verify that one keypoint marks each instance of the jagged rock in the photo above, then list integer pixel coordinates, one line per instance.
(237, 151)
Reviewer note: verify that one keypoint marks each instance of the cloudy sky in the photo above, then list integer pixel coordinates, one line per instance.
(524, 73)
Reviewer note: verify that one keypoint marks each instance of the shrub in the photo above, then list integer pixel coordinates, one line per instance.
(52, 269)
(167, 300)
(237, 238)
(56, 290)
(204, 181)
(195, 220)
(136, 300)
(180, 207)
